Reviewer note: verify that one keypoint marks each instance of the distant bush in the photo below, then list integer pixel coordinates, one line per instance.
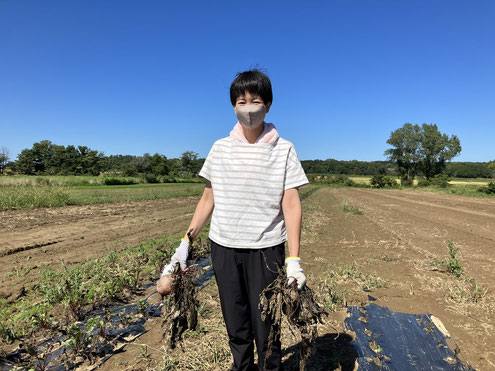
(116, 180)
(423, 182)
(178, 179)
(406, 182)
(340, 179)
(383, 181)
(488, 189)
(440, 180)
(150, 178)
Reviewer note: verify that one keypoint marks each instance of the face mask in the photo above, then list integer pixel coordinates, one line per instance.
(251, 115)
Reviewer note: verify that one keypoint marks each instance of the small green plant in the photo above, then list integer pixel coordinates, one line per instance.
(452, 264)
(78, 340)
(336, 298)
(125, 319)
(142, 305)
(348, 270)
(144, 352)
(96, 325)
(203, 311)
(351, 209)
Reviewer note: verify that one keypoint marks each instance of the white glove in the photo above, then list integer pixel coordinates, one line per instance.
(180, 256)
(295, 272)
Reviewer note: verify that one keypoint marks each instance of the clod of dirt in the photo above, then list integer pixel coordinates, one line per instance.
(298, 307)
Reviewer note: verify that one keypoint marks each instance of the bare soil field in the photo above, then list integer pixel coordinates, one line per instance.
(386, 252)
(31, 238)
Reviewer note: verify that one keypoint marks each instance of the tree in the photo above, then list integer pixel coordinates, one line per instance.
(491, 168)
(4, 159)
(436, 149)
(142, 163)
(37, 159)
(189, 161)
(406, 141)
(159, 164)
(421, 149)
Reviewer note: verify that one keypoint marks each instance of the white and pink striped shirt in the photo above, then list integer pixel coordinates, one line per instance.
(248, 182)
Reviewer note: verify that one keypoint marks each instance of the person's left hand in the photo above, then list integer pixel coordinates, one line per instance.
(295, 272)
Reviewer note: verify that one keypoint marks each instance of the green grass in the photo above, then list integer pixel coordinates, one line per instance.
(463, 190)
(28, 197)
(25, 197)
(351, 209)
(89, 285)
(85, 180)
(55, 180)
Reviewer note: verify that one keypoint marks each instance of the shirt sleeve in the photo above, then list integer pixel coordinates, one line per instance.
(205, 171)
(294, 173)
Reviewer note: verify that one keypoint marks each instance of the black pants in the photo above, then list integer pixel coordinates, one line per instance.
(241, 275)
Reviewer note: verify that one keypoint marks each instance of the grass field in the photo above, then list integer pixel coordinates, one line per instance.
(32, 197)
(31, 192)
(455, 181)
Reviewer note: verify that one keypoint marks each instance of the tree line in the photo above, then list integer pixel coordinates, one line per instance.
(415, 150)
(47, 158)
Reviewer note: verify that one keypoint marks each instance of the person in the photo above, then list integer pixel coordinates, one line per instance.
(252, 193)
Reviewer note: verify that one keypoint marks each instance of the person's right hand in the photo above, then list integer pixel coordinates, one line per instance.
(180, 256)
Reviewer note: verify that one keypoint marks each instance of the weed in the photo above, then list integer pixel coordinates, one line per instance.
(452, 264)
(18, 272)
(351, 209)
(203, 311)
(348, 270)
(367, 281)
(336, 297)
(467, 290)
(144, 352)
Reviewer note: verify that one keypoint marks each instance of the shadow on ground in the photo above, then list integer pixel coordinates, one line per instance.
(330, 352)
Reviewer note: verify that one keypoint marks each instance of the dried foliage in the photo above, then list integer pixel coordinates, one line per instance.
(299, 309)
(181, 310)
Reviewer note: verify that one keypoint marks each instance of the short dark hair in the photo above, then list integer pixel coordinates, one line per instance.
(255, 82)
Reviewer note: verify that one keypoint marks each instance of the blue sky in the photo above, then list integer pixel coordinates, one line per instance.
(129, 77)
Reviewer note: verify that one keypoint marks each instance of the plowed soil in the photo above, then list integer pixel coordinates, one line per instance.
(31, 238)
(396, 238)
